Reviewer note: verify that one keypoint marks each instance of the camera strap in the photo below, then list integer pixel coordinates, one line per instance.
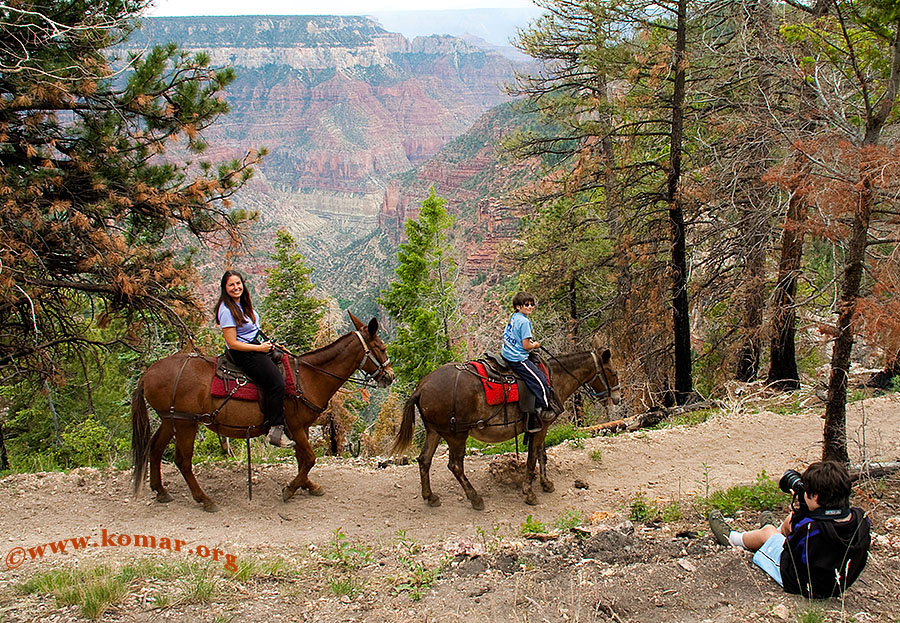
(833, 514)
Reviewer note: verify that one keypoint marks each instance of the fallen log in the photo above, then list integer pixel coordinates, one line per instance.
(873, 470)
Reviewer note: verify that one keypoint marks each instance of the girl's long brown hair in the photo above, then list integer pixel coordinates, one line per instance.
(225, 299)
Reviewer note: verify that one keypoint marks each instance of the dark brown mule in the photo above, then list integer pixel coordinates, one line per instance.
(178, 388)
(452, 405)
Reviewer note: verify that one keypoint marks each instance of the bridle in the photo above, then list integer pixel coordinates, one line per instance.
(380, 368)
(601, 374)
(371, 377)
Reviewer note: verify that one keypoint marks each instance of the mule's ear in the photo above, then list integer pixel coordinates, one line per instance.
(596, 343)
(373, 327)
(605, 356)
(356, 321)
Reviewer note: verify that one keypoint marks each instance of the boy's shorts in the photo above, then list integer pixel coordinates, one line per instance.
(768, 557)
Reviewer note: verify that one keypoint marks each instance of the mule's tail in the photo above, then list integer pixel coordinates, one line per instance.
(407, 426)
(140, 436)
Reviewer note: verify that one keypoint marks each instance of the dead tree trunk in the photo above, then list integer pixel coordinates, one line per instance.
(684, 384)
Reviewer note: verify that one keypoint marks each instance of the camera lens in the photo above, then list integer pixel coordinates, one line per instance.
(791, 481)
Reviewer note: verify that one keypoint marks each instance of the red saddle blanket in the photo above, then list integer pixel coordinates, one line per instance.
(248, 391)
(496, 393)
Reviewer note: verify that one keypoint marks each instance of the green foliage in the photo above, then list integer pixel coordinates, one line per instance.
(93, 590)
(291, 313)
(688, 418)
(532, 526)
(812, 615)
(344, 553)
(82, 423)
(671, 512)
(597, 455)
(763, 495)
(895, 384)
(641, 509)
(568, 520)
(556, 434)
(423, 298)
(94, 183)
(419, 578)
(349, 586)
(87, 443)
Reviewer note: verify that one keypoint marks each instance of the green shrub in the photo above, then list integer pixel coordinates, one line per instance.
(532, 526)
(763, 495)
(87, 444)
(568, 520)
(671, 512)
(641, 509)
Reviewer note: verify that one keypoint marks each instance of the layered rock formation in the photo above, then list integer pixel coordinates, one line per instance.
(479, 184)
(340, 103)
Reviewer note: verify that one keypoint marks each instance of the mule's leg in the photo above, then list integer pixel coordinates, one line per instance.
(546, 484)
(432, 440)
(457, 454)
(185, 432)
(533, 451)
(306, 458)
(158, 443)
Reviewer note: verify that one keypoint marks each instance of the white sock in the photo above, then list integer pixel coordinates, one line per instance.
(736, 538)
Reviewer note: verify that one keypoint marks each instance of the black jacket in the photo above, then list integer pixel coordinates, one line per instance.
(822, 557)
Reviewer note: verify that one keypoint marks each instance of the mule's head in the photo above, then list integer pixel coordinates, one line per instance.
(375, 363)
(606, 381)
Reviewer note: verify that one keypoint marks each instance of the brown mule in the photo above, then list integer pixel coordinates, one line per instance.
(178, 388)
(452, 404)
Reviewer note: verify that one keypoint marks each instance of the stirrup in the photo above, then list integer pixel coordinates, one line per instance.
(277, 438)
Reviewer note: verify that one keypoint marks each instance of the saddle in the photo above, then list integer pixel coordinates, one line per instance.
(501, 384)
(230, 381)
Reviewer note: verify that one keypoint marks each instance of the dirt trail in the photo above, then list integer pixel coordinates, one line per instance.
(622, 572)
(372, 503)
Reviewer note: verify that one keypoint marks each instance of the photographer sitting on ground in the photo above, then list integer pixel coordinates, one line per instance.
(821, 547)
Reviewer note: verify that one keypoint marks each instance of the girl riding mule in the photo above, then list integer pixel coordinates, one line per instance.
(451, 401)
(178, 388)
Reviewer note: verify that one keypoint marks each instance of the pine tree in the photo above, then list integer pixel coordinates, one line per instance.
(290, 310)
(423, 298)
(94, 184)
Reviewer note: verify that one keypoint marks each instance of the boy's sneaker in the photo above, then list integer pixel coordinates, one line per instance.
(768, 518)
(719, 527)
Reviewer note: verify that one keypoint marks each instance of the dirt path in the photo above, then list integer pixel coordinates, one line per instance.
(372, 504)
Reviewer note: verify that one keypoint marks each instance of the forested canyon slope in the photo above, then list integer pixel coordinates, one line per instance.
(342, 106)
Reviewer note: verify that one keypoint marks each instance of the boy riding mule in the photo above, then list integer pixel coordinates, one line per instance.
(453, 406)
(178, 388)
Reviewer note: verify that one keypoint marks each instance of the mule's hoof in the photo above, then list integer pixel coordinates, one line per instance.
(317, 491)
(531, 499)
(478, 504)
(548, 487)
(164, 497)
(211, 507)
(433, 501)
(286, 494)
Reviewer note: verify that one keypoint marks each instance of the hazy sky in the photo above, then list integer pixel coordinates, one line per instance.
(318, 7)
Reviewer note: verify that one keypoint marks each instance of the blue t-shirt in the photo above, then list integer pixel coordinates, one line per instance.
(246, 331)
(518, 328)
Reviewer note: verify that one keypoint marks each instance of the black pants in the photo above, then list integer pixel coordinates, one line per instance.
(535, 380)
(267, 376)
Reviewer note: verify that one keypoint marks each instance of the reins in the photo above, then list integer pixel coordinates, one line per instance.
(370, 379)
(599, 372)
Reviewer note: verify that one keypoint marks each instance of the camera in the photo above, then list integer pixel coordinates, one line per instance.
(791, 482)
